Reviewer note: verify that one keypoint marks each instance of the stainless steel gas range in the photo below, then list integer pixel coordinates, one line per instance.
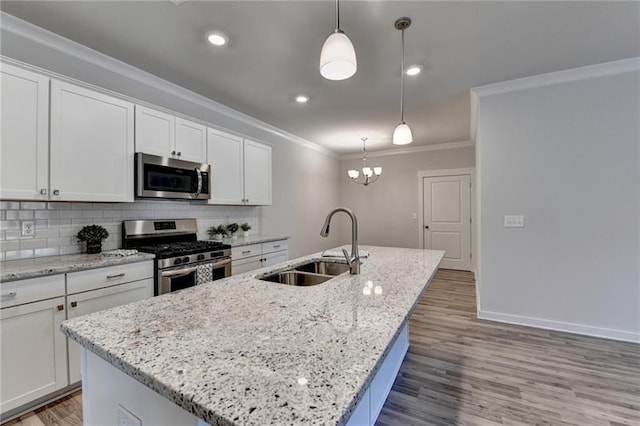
(181, 260)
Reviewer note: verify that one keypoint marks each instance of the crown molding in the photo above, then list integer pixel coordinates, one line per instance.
(558, 77)
(29, 31)
(412, 150)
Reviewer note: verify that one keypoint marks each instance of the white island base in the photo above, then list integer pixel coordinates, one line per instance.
(111, 397)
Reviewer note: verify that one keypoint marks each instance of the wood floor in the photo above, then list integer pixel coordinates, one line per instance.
(463, 371)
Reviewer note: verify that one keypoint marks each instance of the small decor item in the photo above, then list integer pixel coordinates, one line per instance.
(245, 229)
(232, 228)
(216, 232)
(93, 235)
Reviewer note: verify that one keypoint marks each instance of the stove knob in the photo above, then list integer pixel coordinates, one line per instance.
(201, 257)
(185, 259)
(177, 261)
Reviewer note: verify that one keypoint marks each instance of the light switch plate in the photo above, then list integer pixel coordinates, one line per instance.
(28, 228)
(127, 418)
(514, 221)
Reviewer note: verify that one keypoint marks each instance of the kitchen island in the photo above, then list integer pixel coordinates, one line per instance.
(246, 351)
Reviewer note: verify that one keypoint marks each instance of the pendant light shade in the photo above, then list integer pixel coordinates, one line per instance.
(402, 134)
(338, 57)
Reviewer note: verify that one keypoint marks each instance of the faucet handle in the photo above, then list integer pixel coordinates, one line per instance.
(346, 256)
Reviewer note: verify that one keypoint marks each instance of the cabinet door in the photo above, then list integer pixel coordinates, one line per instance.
(224, 153)
(24, 134)
(245, 265)
(155, 132)
(98, 300)
(275, 258)
(257, 173)
(34, 352)
(191, 141)
(91, 145)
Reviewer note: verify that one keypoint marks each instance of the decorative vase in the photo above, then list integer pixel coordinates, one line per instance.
(93, 248)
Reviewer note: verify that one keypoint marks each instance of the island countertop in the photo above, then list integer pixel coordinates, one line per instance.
(245, 351)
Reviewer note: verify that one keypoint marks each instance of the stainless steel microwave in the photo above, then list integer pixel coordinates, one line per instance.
(163, 177)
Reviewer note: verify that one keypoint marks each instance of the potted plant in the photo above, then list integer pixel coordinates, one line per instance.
(93, 235)
(245, 229)
(232, 228)
(216, 232)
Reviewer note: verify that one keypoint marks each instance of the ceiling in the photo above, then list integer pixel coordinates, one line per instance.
(274, 53)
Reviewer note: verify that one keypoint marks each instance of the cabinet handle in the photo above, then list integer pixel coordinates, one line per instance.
(43, 191)
(56, 192)
(278, 246)
(61, 307)
(74, 304)
(173, 153)
(246, 252)
(120, 275)
(10, 295)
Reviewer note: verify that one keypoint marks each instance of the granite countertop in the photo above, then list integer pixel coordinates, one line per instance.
(253, 239)
(40, 266)
(245, 351)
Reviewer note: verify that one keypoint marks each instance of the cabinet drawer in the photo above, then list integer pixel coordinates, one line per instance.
(105, 277)
(273, 246)
(31, 290)
(246, 251)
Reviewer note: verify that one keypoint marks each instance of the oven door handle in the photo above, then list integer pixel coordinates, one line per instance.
(199, 173)
(178, 273)
(221, 263)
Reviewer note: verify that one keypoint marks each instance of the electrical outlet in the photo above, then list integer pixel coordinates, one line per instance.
(414, 216)
(28, 228)
(514, 221)
(126, 418)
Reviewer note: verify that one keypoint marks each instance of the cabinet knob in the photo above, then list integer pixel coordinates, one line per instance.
(43, 191)
(179, 153)
(56, 192)
(426, 227)
(173, 153)
(60, 307)
(246, 200)
(74, 304)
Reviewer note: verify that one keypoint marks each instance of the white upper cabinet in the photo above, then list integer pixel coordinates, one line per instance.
(163, 134)
(257, 173)
(224, 153)
(155, 132)
(240, 170)
(24, 147)
(91, 147)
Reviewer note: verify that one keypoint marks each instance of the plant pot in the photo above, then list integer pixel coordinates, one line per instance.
(246, 233)
(93, 248)
(234, 235)
(217, 237)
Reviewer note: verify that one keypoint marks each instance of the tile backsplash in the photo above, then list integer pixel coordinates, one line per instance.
(56, 224)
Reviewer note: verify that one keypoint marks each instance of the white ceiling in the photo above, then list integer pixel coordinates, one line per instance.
(275, 48)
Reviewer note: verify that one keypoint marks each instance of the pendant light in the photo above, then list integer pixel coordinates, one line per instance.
(369, 175)
(338, 57)
(402, 133)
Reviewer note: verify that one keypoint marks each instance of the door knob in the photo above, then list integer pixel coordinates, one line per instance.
(426, 227)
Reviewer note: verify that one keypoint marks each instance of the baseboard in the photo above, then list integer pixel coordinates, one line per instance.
(567, 327)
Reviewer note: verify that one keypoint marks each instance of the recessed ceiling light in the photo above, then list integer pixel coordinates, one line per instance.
(301, 99)
(217, 38)
(414, 70)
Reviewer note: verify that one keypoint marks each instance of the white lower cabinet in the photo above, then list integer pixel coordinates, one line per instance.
(97, 300)
(255, 256)
(37, 358)
(33, 350)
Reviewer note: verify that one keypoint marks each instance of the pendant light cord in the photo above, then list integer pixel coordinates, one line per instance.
(402, 81)
(337, 16)
(364, 152)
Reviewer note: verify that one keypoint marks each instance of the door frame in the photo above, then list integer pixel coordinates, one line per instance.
(471, 172)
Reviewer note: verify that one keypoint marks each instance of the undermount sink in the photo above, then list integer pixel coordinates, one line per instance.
(324, 267)
(302, 279)
(308, 274)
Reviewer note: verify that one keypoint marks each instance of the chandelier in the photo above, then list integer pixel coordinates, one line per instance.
(369, 175)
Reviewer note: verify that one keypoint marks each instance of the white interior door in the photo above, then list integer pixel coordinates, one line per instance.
(447, 219)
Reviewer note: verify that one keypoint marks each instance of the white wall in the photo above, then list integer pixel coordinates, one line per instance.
(299, 172)
(566, 156)
(385, 208)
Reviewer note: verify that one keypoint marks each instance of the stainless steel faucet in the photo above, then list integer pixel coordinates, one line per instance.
(354, 259)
